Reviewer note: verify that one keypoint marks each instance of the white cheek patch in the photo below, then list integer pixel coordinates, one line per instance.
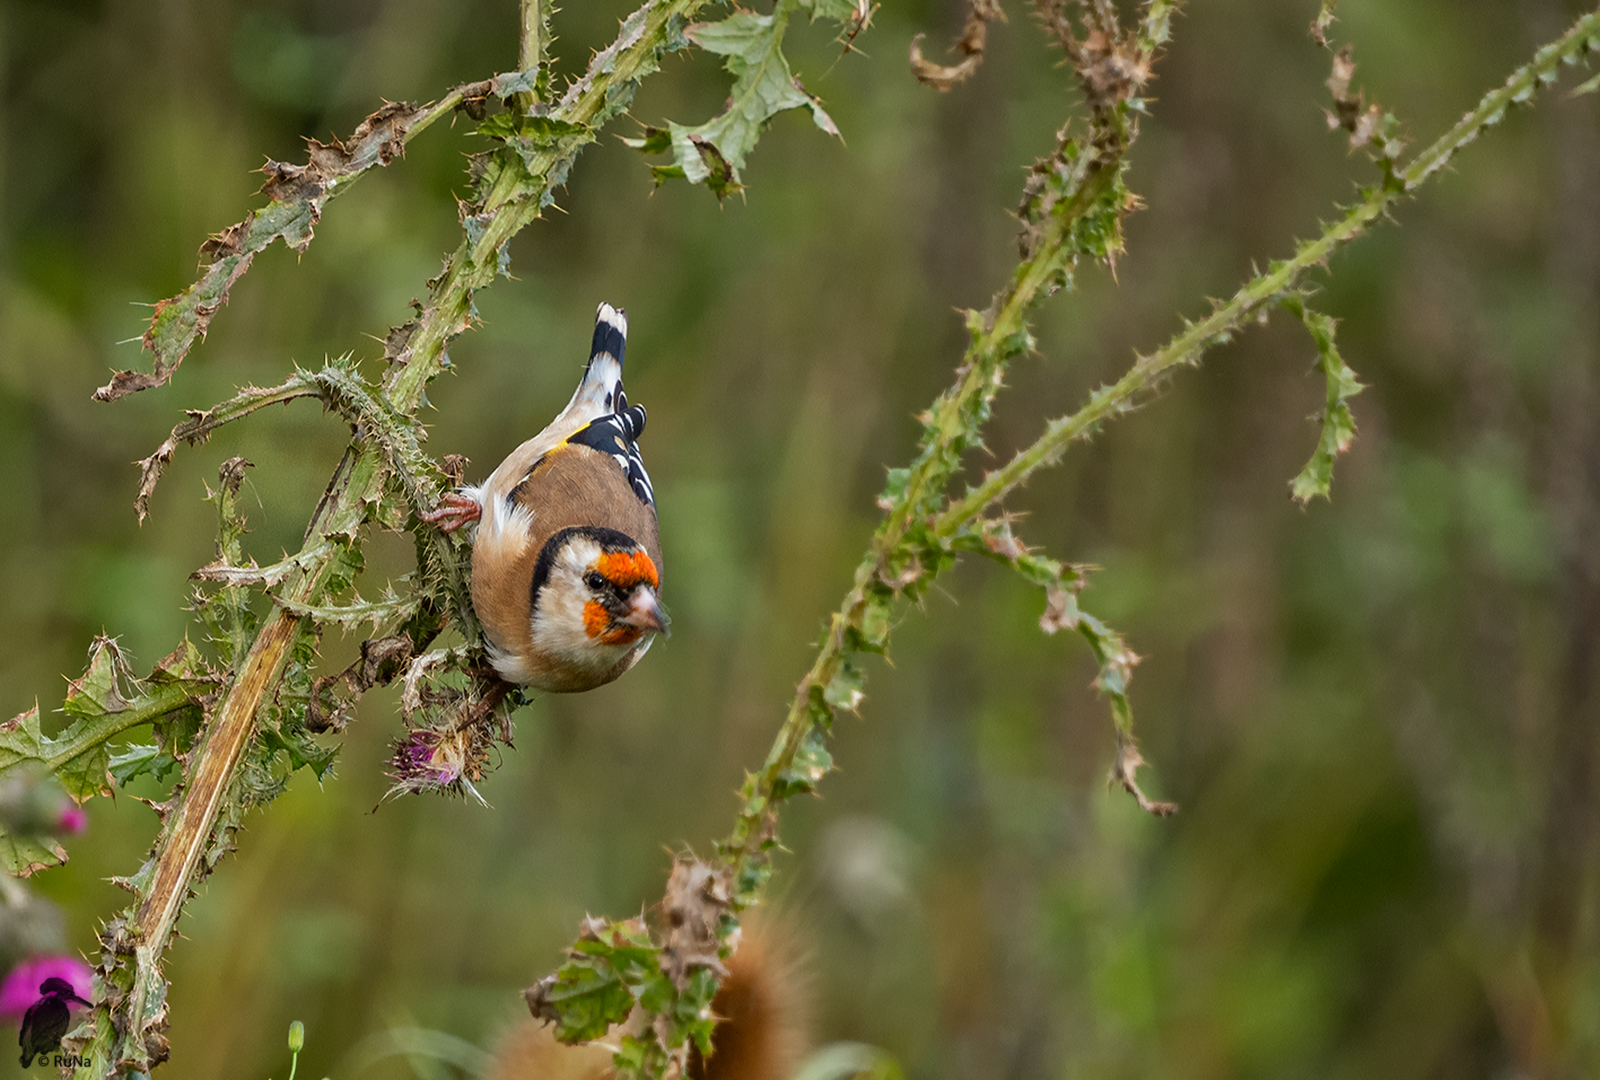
(558, 621)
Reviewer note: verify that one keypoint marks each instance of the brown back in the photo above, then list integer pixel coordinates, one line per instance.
(577, 485)
(571, 485)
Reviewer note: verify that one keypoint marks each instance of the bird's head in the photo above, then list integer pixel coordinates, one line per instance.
(596, 595)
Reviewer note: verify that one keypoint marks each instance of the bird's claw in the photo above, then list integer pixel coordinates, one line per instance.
(454, 511)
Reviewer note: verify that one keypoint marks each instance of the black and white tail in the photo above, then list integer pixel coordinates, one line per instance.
(598, 414)
(600, 392)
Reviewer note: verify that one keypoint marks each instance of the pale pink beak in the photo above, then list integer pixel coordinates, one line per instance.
(645, 612)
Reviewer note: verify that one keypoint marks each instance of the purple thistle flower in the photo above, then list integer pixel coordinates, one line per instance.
(423, 758)
(427, 759)
(21, 988)
(72, 819)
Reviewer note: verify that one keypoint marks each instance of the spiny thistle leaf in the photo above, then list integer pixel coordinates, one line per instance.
(296, 195)
(104, 686)
(844, 689)
(388, 609)
(1338, 425)
(615, 966)
(713, 153)
(810, 764)
(283, 730)
(140, 759)
(23, 856)
(226, 614)
(611, 965)
(539, 138)
(105, 702)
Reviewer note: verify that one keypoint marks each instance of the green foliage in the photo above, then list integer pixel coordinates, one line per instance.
(230, 623)
(612, 965)
(713, 153)
(844, 689)
(1338, 426)
(140, 759)
(105, 702)
(811, 760)
(615, 967)
(284, 744)
(22, 854)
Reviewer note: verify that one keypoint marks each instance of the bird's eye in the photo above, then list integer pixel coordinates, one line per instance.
(594, 581)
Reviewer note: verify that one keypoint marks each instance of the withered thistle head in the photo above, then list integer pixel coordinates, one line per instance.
(445, 761)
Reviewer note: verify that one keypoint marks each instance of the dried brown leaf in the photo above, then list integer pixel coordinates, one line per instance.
(697, 895)
(1003, 542)
(974, 38)
(1060, 611)
(1351, 110)
(1127, 764)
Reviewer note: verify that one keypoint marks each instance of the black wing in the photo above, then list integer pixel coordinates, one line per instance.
(617, 435)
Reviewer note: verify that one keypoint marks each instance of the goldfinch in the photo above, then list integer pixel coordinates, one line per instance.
(566, 561)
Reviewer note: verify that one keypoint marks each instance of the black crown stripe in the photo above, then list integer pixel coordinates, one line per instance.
(608, 539)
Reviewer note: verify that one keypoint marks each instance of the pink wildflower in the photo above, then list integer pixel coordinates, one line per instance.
(72, 819)
(21, 988)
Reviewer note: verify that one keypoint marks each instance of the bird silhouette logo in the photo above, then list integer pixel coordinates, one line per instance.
(46, 1020)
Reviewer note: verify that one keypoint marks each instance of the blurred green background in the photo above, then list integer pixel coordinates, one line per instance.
(1379, 714)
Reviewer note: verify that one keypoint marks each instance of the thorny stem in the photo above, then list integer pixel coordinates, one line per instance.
(978, 379)
(445, 106)
(744, 846)
(515, 200)
(1156, 26)
(199, 426)
(126, 1035)
(189, 827)
(1144, 377)
(530, 55)
(441, 108)
(1073, 205)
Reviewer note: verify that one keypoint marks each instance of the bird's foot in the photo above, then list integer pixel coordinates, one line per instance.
(454, 511)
